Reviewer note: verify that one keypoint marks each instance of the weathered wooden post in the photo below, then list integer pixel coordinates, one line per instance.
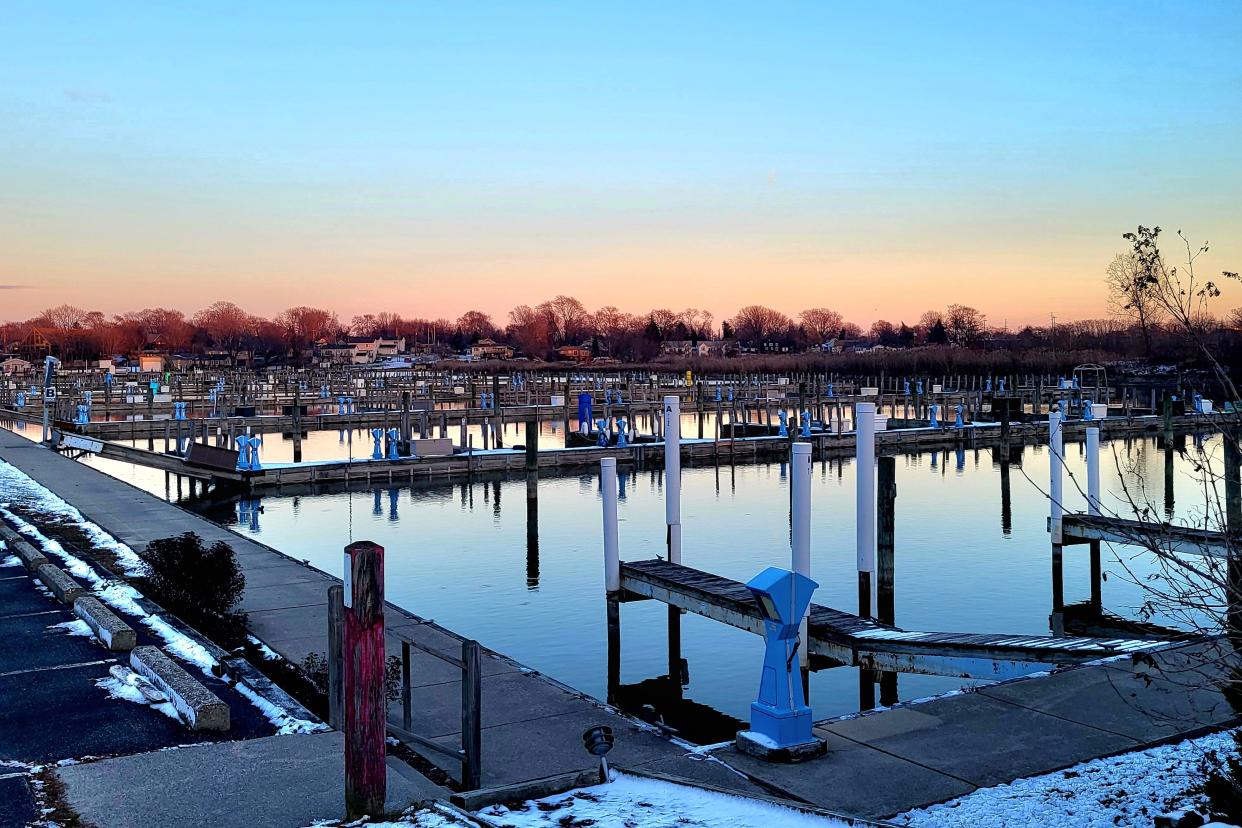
(1233, 525)
(365, 702)
(886, 547)
(336, 665)
(297, 424)
(532, 443)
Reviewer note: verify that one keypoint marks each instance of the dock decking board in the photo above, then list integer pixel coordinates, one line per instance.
(848, 638)
(1081, 528)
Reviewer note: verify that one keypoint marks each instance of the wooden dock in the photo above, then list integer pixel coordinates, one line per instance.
(1184, 540)
(847, 639)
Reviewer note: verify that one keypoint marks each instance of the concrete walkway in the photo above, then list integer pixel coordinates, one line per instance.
(532, 725)
(948, 747)
(283, 781)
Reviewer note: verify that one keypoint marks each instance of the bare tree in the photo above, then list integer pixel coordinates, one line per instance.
(1130, 295)
(756, 324)
(228, 326)
(822, 324)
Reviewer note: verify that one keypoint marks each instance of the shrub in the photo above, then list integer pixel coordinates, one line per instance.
(200, 584)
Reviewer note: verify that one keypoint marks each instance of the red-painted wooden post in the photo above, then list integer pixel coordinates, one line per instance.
(365, 704)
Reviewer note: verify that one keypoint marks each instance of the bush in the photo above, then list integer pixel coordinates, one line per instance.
(200, 584)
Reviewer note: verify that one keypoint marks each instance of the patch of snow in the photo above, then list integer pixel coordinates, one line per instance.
(285, 723)
(128, 691)
(632, 800)
(1124, 791)
(124, 598)
(75, 627)
(760, 739)
(11, 560)
(21, 488)
(268, 653)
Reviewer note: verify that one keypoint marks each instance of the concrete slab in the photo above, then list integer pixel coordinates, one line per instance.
(276, 781)
(694, 768)
(854, 779)
(551, 745)
(1143, 708)
(979, 740)
(298, 593)
(436, 708)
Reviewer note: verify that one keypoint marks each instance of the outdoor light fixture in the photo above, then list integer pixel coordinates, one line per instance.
(780, 720)
(598, 741)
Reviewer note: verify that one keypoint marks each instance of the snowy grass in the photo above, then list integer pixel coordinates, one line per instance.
(10, 560)
(23, 490)
(1126, 791)
(633, 800)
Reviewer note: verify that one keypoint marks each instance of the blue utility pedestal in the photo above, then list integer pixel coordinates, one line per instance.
(780, 720)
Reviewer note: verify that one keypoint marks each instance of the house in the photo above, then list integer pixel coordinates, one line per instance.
(152, 363)
(337, 353)
(702, 348)
(574, 353)
(369, 349)
(15, 365)
(490, 349)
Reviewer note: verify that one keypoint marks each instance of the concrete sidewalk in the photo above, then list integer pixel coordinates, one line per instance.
(278, 781)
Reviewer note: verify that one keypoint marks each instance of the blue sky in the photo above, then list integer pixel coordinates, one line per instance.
(880, 158)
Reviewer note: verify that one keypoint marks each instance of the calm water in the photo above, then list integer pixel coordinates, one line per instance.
(468, 555)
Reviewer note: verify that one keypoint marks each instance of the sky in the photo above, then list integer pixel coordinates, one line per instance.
(429, 158)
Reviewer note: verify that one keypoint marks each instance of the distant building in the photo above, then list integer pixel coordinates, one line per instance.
(702, 348)
(574, 353)
(490, 349)
(152, 363)
(337, 353)
(15, 365)
(367, 349)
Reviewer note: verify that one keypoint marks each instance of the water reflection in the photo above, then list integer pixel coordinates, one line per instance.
(972, 555)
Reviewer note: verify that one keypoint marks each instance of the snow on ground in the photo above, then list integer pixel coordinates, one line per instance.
(123, 684)
(10, 560)
(21, 489)
(124, 598)
(75, 627)
(1125, 791)
(633, 800)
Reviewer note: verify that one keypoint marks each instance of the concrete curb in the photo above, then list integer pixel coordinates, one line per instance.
(201, 708)
(62, 586)
(115, 634)
(31, 557)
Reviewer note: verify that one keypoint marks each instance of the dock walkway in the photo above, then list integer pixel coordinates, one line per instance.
(846, 638)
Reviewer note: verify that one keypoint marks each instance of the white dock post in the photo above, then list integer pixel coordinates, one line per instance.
(800, 537)
(1056, 466)
(1093, 471)
(1056, 471)
(864, 459)
(1093, 507)
(672, 475)
(612, 557)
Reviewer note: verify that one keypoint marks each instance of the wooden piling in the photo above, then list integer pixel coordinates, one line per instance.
(365, 705)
